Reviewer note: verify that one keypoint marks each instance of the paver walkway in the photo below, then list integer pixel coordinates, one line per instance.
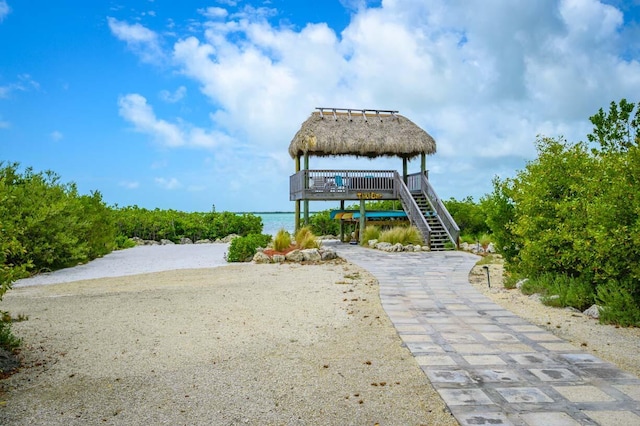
(490, 366)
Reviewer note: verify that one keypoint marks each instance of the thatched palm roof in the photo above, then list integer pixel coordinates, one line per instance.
(361, 133)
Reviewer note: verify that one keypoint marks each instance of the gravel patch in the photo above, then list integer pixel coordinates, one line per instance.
(241, 344)
(136, 260)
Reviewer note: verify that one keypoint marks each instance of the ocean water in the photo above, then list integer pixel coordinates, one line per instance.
(273, 222)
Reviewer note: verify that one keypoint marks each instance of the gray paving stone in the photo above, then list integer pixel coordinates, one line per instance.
(490, 366)
(524, 394)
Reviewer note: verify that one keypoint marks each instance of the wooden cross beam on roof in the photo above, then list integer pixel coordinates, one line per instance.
(342, 111)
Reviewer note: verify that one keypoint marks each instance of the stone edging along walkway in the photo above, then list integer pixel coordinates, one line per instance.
(490, 366)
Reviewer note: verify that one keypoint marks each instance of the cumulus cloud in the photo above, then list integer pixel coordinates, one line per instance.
(134, 108)
(484, 78)
(169, 184)
(4, 9)
(141, 40)
(214, 12)
(176, 96)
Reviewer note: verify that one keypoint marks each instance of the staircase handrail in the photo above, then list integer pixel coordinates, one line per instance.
(450, 225)
(411, 208)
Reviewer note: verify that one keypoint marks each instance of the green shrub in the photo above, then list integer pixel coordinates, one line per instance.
(537, 285)
(8, 341)
(371, 232)
(484, 240)
(403, 235)
(282, 240)
(242, 249)
(618, 304)
(123, 242)
(322, 224)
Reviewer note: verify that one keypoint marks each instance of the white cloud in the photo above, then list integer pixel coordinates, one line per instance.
(4, 124)
(56, 136)
(176, 96)
(24, 84)
(484, 78)
(4, 9)
(141, 40)
(213, 12)
(169, 184)
(129, 184)
(134, 109)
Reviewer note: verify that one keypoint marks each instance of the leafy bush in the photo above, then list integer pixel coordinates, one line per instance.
(537, 285)
(468, 215)
(123, 242)
(282, 240)
(47, 225)
(566, 291)
(242, 249)
(8, 341)
(575, 212)
(173, 225)
(619, 304)
(402, 234)
(322, 224)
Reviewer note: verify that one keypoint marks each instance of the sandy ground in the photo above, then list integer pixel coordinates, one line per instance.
(243, 344)
(620, 346)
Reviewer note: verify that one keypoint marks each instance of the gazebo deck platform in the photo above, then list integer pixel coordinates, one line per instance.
(345, 185)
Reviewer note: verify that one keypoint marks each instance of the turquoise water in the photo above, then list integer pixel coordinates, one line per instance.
(273, 222)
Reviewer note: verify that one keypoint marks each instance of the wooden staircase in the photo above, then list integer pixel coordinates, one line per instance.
(439, 237)
(427, 213)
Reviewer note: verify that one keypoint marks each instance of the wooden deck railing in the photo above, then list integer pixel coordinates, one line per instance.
(342, 184)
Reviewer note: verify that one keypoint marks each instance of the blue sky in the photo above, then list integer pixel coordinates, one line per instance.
(187, 104)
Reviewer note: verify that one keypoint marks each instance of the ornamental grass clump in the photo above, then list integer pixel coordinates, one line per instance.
(305, 239)
(404, 235)
(371, 232)
(282, 240)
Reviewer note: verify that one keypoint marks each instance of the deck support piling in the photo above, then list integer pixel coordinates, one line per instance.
(404, 169)
(341, 223)
(306, 202)
(297, 208)
(363, 221)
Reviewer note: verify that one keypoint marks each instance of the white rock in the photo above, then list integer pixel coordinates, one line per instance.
(593, 311)
(311, 255)
(328, 254)
(295, 256)
(278, 258)
(383, 246)
(260, 257)
(166, 242)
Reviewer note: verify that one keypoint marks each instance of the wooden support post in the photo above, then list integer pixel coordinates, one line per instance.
(306, 202)
(363, 221)
(404, 169)
(423, 167)
(341, 223)
(297, 208)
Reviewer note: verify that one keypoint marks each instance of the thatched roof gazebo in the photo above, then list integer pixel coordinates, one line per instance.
(370, 134)
(360, 133)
